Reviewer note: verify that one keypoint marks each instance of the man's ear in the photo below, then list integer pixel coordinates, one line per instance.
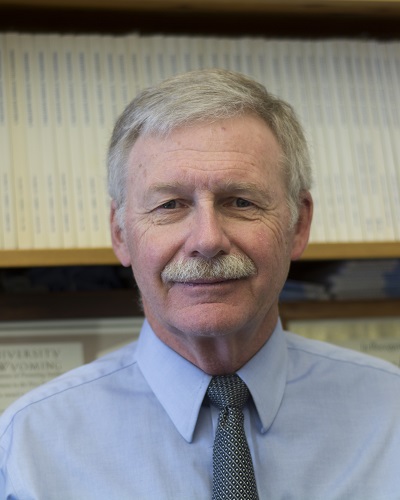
(303, 226)
(118, 238)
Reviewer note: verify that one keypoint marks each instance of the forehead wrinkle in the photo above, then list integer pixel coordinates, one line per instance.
(180, 153)
(218, 161)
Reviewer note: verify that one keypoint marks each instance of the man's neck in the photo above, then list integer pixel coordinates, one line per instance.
(219, 354)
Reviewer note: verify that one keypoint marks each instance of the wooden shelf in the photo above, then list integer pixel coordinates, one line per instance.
(360, 7)
(362, 250)
(105, 256)
(29, 306)
(340, 309)
(123, 303)
(57, 257)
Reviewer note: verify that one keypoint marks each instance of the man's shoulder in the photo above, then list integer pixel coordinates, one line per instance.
(324, 354)
(73, 382)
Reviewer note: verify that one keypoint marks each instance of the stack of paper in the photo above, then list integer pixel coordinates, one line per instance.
(61, 94)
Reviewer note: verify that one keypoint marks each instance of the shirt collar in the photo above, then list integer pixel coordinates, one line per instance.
(265, 375)
(180, 386)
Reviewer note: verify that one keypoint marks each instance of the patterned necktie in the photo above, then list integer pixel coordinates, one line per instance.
(233, 473)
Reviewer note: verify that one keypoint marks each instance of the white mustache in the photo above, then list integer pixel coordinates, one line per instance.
(224, 267)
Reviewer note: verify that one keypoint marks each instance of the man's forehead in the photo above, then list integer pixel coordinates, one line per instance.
(209, 136)
(189, 161)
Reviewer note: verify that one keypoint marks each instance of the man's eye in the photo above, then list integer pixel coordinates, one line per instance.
(241, 203)
(169, 205)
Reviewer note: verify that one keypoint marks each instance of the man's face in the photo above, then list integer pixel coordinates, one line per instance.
(207, 191)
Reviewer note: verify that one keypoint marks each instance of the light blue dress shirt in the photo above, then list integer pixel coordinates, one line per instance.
(323, 423)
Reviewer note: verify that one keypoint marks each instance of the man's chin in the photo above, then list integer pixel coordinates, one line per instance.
(213, 320)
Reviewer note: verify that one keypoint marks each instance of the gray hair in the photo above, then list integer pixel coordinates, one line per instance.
(206, 96)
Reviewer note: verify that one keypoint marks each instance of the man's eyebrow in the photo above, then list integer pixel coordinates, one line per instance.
(222, 186)
(244, 186)
(161, 187)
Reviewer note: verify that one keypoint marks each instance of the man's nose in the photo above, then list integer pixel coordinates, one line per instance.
(208, 234)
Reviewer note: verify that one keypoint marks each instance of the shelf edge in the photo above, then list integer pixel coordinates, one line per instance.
(105, 256)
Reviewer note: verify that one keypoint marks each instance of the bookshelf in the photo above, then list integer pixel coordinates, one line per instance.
(331, 17)
(105, 256)
(122, 303)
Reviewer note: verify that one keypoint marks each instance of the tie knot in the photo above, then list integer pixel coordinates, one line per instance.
(228, 390)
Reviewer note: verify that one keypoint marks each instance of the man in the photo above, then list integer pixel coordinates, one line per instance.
(209, 178)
